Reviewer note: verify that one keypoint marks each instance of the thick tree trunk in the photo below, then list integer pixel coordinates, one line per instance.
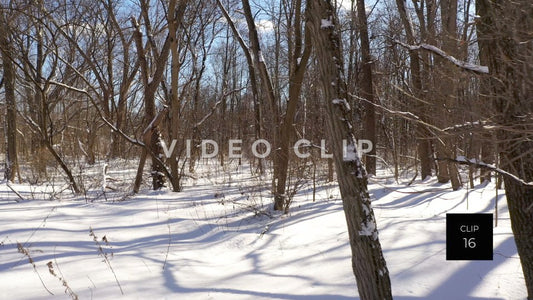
(448, 94)
(505, 31)
(175, 103)
(488, 143)
(368, 263)
(520, 202)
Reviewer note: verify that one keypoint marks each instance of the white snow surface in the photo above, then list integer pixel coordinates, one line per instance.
(214, 240)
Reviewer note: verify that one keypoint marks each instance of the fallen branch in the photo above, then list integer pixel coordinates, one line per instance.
(17, 193)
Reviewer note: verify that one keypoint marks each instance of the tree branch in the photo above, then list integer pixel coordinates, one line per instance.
(459, 63)
(214, 107)
(479, 164)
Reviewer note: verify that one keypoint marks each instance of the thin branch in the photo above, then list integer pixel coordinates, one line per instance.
(404, 114)
(115, 129)
(99, 111)
(214, 107)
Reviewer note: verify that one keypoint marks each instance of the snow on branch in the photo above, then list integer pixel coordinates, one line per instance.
(480, 164)
(460, 63)
(469, 126)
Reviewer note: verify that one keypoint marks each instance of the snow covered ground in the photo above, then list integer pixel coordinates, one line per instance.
(218, 239)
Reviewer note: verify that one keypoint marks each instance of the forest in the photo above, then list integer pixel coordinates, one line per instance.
(262, 114)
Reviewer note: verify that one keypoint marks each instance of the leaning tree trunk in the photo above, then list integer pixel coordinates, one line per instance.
(270, 96)
(505, 32)
(368, 263)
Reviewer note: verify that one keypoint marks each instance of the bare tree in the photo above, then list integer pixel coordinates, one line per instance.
(42, 62)
(9, 77)
(368, 263)
(423, 145)
(367, 88)
(299, 43)
(152, 74)
(447, 93)
(505, 31)
(258, 123)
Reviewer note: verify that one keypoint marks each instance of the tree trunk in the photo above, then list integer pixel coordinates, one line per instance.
(298, 63)
(175, 104)
(448, 94)
(423, 145)
(11, 163)
(258, 111)
(505, 31)
(368, 263)
(269, 94)
(151, 81)
(367, 90)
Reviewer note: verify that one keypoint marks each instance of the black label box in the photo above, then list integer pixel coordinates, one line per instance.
(469, 237)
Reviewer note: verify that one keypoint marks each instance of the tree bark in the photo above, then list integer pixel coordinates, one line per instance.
(448, 94)
(368, 263)
(367, 88)
(505, 31)
(151, 82)
(11, 163)
(258, 113)
(423, 145)
(269, 94)
(298, 63)
(175, 103)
